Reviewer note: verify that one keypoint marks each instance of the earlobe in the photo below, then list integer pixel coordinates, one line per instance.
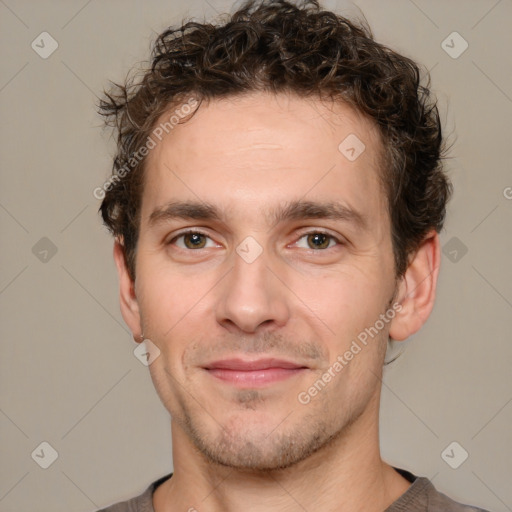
(417, 289)
(127, 298)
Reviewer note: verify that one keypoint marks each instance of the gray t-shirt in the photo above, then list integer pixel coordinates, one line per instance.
(421, 496)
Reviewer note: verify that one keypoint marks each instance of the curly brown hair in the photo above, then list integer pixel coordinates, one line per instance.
(279, 46)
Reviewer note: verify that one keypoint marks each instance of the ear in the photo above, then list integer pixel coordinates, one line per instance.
(417, 289)
(127, 297)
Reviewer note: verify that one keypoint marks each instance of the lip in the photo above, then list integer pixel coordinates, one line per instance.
(258, 373)
(258, 364)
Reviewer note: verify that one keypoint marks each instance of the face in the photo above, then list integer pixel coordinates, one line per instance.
(264, 254)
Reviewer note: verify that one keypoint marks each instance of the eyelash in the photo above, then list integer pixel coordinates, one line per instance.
(302, 235)
(188, 232)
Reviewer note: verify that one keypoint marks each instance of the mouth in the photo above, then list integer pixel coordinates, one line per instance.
(251, 374)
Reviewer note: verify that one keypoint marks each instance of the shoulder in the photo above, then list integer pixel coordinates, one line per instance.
(141, 503)
(422, 496)
(437, 501)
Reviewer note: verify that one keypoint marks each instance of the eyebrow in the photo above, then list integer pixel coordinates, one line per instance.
(302, 210)
(183, 210)
(295, 210)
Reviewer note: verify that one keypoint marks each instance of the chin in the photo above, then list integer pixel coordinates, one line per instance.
(263, 444)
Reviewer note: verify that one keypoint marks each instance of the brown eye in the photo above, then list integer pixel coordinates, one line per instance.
(318, 240)
(194, 240)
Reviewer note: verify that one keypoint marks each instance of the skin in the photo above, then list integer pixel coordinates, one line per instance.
(258, 449)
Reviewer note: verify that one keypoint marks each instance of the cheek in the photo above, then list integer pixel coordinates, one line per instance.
(166, 294)
(343, 302)
(174, 308)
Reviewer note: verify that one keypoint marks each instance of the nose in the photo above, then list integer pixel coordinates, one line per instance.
(252, 297)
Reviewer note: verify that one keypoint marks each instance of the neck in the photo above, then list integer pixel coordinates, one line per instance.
(346, 475)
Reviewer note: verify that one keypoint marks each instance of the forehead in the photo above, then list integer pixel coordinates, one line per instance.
(257, 150)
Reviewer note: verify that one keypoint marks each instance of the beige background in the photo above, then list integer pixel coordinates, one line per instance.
(68, 373)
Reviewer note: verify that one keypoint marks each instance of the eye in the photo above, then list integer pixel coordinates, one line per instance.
(192, 240)
(318, 240)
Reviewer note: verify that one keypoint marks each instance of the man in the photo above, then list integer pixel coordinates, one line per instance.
(276, 202)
